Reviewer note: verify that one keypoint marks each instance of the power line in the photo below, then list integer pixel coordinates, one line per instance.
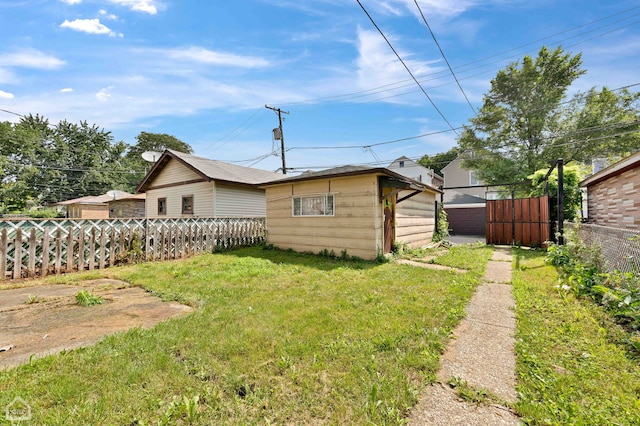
(472, 65)
(435, 40)
(406, 67)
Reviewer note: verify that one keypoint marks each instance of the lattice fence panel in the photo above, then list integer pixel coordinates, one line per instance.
(30, 248)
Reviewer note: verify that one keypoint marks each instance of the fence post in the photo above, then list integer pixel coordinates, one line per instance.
(44, 266)
(560, 201)
(4, 252)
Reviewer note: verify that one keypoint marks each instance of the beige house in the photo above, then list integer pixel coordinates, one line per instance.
(182, 185)
(358, 209)
(92, 206)
(613, 194)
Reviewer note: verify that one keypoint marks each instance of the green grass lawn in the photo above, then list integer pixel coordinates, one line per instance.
(278, 338)
(572, 365)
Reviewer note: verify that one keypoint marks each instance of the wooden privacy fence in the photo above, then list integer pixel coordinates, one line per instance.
(30, 248)
(522, 221)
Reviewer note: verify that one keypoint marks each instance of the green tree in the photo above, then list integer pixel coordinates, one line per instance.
(526, 122)
(595, 124)
(572, 176)
(157, 142)
(43, 163)
(509, 134)
(438, 161)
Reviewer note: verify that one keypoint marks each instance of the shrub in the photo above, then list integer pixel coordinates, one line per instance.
(582, 272)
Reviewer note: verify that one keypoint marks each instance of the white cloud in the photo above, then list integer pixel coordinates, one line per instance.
(72, 1)
(103, 95)
(6, 95)
(107, 15)
(205, 56)
(30, 58)
(378, 66)
(90, 26)
(147, 6)
(66, 90)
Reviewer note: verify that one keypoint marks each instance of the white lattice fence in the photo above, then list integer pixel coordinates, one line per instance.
(31, 248)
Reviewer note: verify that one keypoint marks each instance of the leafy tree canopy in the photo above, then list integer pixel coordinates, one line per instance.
(44, 163)
(526, 123)
(150, 142)
(571, 176)
(438, 161)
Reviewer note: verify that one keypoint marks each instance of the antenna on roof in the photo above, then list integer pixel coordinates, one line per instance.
(151, 156)
(113, 193)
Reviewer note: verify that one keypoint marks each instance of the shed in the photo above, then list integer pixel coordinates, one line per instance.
(131, 206)
(183, 185)
(613, 194)
(358, 210)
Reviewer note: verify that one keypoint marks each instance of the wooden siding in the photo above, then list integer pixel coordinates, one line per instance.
(237, 201)
(356, 226)
(174, 172)
(202, 200)
(415, 219)
(88, 211)
(127, 208)
(615, 202)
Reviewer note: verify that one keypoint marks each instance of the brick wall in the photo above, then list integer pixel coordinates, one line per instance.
(467, 221)
(615, 202)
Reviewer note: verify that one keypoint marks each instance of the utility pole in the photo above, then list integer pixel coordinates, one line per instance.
(280, 112)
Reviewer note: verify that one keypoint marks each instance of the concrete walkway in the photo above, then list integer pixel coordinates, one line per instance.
(481, 353)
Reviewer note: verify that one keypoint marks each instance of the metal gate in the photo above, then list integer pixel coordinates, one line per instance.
(524, 221)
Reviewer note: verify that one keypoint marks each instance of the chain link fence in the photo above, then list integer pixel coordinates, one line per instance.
(620, 248)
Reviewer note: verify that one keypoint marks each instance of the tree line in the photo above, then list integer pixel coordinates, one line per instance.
(43, 163)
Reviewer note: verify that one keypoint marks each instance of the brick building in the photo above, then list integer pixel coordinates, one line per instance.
(613, 194)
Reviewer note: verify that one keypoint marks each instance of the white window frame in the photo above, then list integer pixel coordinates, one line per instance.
(314, 205)
(473, 179)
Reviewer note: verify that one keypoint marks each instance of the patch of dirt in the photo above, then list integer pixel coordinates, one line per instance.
(44, 320)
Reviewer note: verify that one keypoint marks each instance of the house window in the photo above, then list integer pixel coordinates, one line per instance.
(162, 206)
(473, 179)
(314, 205)
(401, 163)
(187, 204)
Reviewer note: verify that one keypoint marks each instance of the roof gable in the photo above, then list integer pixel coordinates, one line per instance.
(209, 170)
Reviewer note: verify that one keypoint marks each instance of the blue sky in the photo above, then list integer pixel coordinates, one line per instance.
(203, 71)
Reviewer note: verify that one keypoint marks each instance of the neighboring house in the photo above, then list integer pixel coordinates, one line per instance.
(363, 211)
(613, 194)
(409, 168)
(129, 207)
(182, 185)
(463, 180)
(91, 207)
(464, 200)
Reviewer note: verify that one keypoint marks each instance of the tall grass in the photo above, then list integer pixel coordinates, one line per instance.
(278, 338)
(571, 360)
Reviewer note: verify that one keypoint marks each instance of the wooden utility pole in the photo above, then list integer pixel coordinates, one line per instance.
(280, 112)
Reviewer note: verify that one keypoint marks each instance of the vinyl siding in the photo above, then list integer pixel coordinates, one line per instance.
(202, 200)
(174, 172)
(415, 219)
(237, 201)
(356, 226)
